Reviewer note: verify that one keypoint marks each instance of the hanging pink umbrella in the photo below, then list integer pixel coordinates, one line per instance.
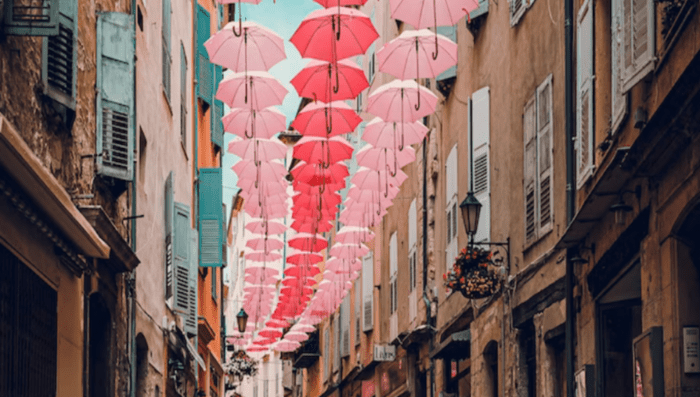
(286, 346)
(378, 181)
(266, 227)
(367, 196)
(351, 234)
(326, 151)
(344, 3)
(326, 119)
(349, 251)
(327, 198)
(252, 279)
(255, 188)
(261, 271)
(258, 149)
(262, 341)
(254, 203)
(295, 281)
(302, 271)
(398, 101)
(256, 349)
(262, 171)
(393, 135)
(305, 188)
(294, 291)
(329, 81)
(316, 174)
(303, 258)
(308, 242)
(409, 56)
(259, 289)
(431, 13)
(301, 327)
(257, 49)
(277, 324)
(261, 256)
(269, 332)
(266, 211)
(333, 34)
(343, 265)
(251, 123)
(256, 90)
(296, 336)
(266, 244)
(311, 226)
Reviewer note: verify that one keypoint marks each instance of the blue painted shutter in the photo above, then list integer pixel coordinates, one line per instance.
(204, 68)
(210, 217)
(182, 247)
(167, 58)
(59, 54)
(191, 316)
(169, 210)
(31, 18)
(115, 95)
(481, 10)
(217, 126)
(451, 33)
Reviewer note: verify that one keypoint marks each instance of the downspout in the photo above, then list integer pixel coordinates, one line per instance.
(426, 300)
(131, 276)
(570, 193)
(195, 148)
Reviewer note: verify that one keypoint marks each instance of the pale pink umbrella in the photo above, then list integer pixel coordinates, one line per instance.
(262, 171)
(264, 123)
(264, 244)
(262, 210)
(259, 289)
(254, 203)
(265, 227)
(308, 242)
(378, 181)
(398, 100)
(256, 348)
(319, 34)
(352, 234)
(261, 256)
(261, 271)
(262, 341)
(343, 265)
(393, 134)
(344, 3)
(252, 279)
(277, 323)
(330, 81)
(349, 251)
(301, 327)
(296, 336)
(325, 151)
(265, 90)
(258, 48)
(326, 119)
(258, 149)
(286, 346)
(255, 188)
(364, 196)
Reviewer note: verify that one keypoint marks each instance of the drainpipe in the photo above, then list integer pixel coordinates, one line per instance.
(570, 203)
(426, 300)
(130, 278)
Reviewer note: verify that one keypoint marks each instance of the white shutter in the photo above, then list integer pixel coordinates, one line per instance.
(545, 156)
(451, 172)
(517, 9)
(412, 307)
(336, 342)
(368, 292)
(451, 192)
(358, 310)
(619, 98)
(584, 97)
(393, 252)
(480, 155)
(393, 327)
(639, 40)
(530, 169)
(344, 325)
(412, 224)
(326, 353)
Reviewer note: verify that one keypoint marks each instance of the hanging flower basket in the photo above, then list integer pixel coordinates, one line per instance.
(474, 274)
(240, 366)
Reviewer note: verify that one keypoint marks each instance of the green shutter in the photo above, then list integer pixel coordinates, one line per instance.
(451, 33)
(115, 95)
(210, 217)
(166, 59)
(168, 211)
(481, 10)
(217, 126)
(59, 56)
(204, 68)
(191, 317)
(182, 245)
(31, 18)
(183, 96)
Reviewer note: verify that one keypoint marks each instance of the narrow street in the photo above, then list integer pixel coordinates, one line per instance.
(349, 198)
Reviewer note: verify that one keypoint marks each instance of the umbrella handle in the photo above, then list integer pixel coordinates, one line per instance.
(252, 128)
(337, 34)
(435, 54)
(329, 121)
(418, 89)
(240, 23)
(469, 19)
(337, 79)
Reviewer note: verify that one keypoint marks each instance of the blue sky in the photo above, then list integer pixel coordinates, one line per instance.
(282, 17)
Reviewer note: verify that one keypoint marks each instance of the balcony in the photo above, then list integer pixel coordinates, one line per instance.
(308, 353)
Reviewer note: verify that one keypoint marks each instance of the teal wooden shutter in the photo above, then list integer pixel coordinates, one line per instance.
(451, 33)
(31, 18)
(481, 10)
(59, 54)
(166, 59)
(210, 217)
(191, 316)
(204, 69)
(217, 126)
(115, 95)
(169, 211)
(183, 95)
(182, 247)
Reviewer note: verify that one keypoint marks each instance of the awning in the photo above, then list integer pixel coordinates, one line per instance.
(18, 160)
(456, 347)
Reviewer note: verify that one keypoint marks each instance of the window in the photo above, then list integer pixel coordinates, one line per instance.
(450, 32)
(214, 387)
(358, 310)
(412, 237)
(584, 100)
(638, 46)
(368, 292)
(618, 95)
(28, 343)
(183, 96)
(528, 360)
(538, 167)
(326, 353)
(344, 326)
(517, 10)
(451, 207)
(59, 55)
(370, 64)
(491, 360)
(166, 59)
(393, 274)
(217, 125)
(204, 70)
(480, 124)
(210, 217)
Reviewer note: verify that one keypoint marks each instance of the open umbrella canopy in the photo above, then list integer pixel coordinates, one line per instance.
(296, 291)
(426, 13)
(303, 258)
(302, 271)
(255, 90)
(333, 34)
(257, 149)
(270, 211)
(261, 271)
(262, 256)
(349, 251)
(383, 159)
(298, 281)
(262, 171)
(343, 3)
(296, 336)
(269, 332)
(378, 181)
(255, 189)
(256, 279)
(326, 119)
(308, 242)
(301, 327)
(311, 226)
(316, 174)
(330, 81)
(409, 56)
(251, 123)
(258, 48)
(256, 348)
(353, 234)
(286, 345)
(392, 134)
(398, 99)
(326, 151)
(327, 198)
(266, 244)
(265, 227)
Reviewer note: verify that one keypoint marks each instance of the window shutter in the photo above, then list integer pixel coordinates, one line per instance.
(115, 95)
(530, 169)
(639, 33)
(451, 33)
(217, 126)
(412, 224)
(181, 258)
(358, 311)
(619, 98)
(166, 59)
(326, 353)
(368, 292)
(584, 100)
(210, 217)
(336, 343)
(30, 18)
(183, 95)
(481, 10)
(169, 210)
(344, 325)
(60, 56)
(517, 9)
(451, 182)
(451, 171)
(480, 156)
(393, 259)
(191, 317)
(204, 69)
(545, 155)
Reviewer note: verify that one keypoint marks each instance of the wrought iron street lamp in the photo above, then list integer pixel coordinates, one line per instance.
(471, 210)
(242, 320)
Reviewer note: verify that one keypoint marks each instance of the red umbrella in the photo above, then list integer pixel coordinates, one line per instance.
(319, 36)
(307, 200)
(303, 258)
(296, 291)
(270, 332)
(316, 150)
(308, 242)
(315, 174)
(330, 81)
(326, 119)
(295, 281)
(311, 226)
(302, 271)
(334, 3)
